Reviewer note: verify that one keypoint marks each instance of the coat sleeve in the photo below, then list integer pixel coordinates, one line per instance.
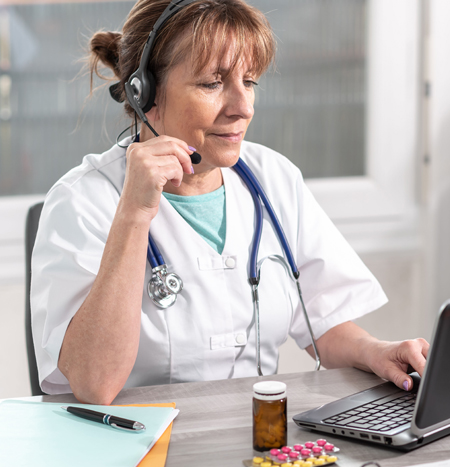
(73, 229)
(336, 285)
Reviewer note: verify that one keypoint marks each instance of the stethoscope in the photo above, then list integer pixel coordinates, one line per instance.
(164, 287)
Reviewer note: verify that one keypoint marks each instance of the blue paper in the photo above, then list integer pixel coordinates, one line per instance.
(42, 434)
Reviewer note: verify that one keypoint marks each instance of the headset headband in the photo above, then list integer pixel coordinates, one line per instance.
(140, 88)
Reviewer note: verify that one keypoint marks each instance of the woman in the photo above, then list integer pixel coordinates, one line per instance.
(95, 328)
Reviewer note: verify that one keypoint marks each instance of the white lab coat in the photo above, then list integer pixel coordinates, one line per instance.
(209, 332)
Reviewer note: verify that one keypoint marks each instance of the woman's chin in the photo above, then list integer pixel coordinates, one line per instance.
(231, 161)
(221, 159)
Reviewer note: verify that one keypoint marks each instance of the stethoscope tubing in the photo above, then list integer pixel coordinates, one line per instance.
(154, 256)
(258, 193)
(156, 259)
(259, 221)
(243, 167)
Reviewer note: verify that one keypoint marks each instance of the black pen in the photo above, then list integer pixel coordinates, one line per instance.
(106, 419)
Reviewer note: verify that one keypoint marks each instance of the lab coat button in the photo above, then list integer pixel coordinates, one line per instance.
(240, 339)
(230, 263)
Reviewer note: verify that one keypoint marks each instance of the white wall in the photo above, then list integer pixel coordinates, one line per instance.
(14, 380)
(437, 213)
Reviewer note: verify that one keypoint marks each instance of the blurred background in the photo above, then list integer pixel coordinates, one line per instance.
(359, 101)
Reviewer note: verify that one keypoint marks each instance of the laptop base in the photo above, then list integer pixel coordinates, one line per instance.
(410, 441)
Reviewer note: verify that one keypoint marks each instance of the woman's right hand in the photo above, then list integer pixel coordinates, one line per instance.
(150, 165)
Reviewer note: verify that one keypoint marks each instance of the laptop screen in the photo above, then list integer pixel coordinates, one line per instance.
(434, 404)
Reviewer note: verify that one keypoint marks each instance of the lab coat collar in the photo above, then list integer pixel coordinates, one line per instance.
(239, 210)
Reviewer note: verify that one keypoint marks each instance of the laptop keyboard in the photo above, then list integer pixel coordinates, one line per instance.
(377, 415)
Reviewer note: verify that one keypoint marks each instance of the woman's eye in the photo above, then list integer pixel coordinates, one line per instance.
(250, 84)
(213, 85)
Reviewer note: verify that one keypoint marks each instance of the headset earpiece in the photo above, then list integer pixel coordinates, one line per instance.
(150, 82)
(141, 90)
(141, 86)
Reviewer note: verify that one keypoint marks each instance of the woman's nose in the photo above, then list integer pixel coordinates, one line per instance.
(239, 102)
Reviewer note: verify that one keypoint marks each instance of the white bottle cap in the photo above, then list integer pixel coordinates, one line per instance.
(269, 390)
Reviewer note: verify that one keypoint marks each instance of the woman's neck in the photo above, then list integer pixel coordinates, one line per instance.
(197, 184)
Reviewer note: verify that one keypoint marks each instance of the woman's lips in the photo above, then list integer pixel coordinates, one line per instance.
(231, 137)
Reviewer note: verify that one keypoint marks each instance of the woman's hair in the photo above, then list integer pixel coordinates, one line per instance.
(200, 29)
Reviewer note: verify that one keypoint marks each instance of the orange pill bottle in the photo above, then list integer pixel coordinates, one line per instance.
(269, 415)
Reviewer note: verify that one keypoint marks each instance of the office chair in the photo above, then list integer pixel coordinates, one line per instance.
(34, 213)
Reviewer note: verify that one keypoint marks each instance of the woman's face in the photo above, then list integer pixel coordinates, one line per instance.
(210, 111)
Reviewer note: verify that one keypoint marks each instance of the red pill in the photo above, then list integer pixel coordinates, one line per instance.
(282, 457)
(286, 449)
(298, 447)
(329, 447)
(316, 449)
(321, 442)
(305, 452)
(294, 454)
(274, 452)
(309, 444)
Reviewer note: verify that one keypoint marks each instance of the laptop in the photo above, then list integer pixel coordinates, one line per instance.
(391, 416)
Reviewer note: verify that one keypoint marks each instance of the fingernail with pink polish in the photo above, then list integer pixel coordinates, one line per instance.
(192, 149)
(405, 385)
(192, 169)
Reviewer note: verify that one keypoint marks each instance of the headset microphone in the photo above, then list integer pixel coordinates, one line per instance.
(195, 158)
(140, 89)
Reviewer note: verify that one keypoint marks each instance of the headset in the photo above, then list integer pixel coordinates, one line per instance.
(140, 88)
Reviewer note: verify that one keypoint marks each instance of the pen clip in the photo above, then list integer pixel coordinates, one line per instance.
(139, 427)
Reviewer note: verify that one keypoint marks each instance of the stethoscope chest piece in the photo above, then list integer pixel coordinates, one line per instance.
(163, 287)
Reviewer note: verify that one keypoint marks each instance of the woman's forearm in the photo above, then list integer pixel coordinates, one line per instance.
(348, 345)
(101, 342)
(345, 345)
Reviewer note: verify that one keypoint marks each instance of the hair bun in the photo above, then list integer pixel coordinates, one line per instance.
(104, 47)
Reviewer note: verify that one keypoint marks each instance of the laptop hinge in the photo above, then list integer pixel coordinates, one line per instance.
(437, 430)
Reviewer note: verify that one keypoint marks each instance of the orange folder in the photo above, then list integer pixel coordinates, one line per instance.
(157, 455)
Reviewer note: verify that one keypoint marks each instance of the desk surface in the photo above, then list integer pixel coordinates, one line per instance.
(214, 427)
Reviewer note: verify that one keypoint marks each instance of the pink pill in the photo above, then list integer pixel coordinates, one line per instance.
(286, 449)
(274, 452)
(294, 454)
(282, 457)
(321, 442)
(329, 447)
(316, 449)
(305, 452)
(309, 444)
(298, 447)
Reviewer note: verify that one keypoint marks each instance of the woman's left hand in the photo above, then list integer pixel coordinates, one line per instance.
(392, 360)
(389, 360)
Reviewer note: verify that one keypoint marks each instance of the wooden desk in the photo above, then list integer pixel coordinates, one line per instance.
(214, 427)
